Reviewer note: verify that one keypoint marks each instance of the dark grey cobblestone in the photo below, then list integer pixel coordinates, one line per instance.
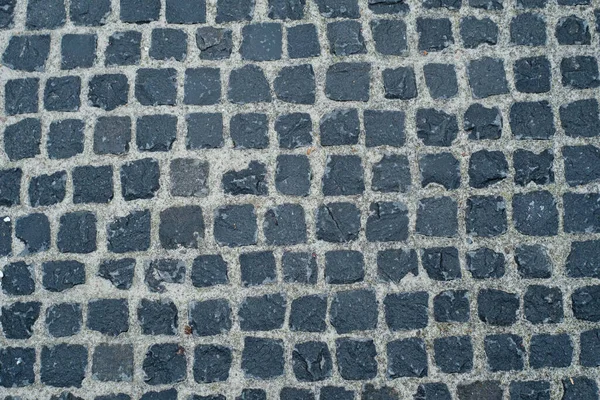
(299, 199)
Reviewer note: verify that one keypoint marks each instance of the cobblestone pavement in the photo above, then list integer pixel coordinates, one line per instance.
(299, 199)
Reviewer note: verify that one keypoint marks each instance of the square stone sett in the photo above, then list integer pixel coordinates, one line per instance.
(17, 367)
(209, 317)
(293, 175)
(7, 13)
(483, 123)
(249, 131)
(214, 43)
(406, 311)
(580, 118)
(113, 396)
(347, 81)
(170, 394)
(345, 38)
(113, 363)
(440, 168)
(580, 72)
(286, 9)
(234, 10)
(384, 128)
(64, 319)
(45, 14)
(389, 36)
(262, 358)
(108, 316)
(441, 263)
(343, 176)
(185, 11)
(581, 164)
(394, 264)
(344, 267)
(261, 41)
(17, 319)
(303, 41)
(124, 48)
(572, 30)
(311, 362)
(441, 80)
(528, 29)
(204, 131)
(212, 363)
(299, 267)
(436, 127)
(476, 32)
(58, 276)
(155, 87)
(251, 180)
(21, 96)
(10, 186)
(543, 305)
(63, 365)
(338, 8)
(78, 50)
(590, 348)
(532, 3)
(296, 84)
(532, 120)
(581, 212)
(164, 270)
(33, 231)
(387, 222)
(27, 52)
(437, 216)
(168, 44)
(294, 130)
(181, 227)
(129, 233)
(486, 216)
(496, 307)
(391, 174)
(65, 395)
(435, 34)
(22, 139)
(65, 138)
(77, 233)
(550, 351)
(536, 168)
(583, 259)
(285, 224)
(92, 184)
(189, 177)
(448, 4)
(252, 394)
(480, 389)
(487, 5)
(257, 268)
(533, 261)
(235, 225)
(62, 94)
(119, 272)
(112, 135)
(335, 393)
(353, 310)
(340, 127)
(209, 270)
(581, 388)
(356, 358)
(338, 222)
(108, 91)
(532, 74)
(17, 279)
(585, 301)
(453, 354)
(399, 83)
(157, 317)
(89, 12)
(504, 352)
(140, 179)
(262, 313)
(487, 77)
(5, 237)
(140, 11)
(202, 86)
(451, 306)
(434, 391)
(164, 364)
(156, 132)
(307, 314)
(406, 358)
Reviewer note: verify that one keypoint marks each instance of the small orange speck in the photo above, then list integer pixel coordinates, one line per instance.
(425, 52)
(187, 330)
(310, 150)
